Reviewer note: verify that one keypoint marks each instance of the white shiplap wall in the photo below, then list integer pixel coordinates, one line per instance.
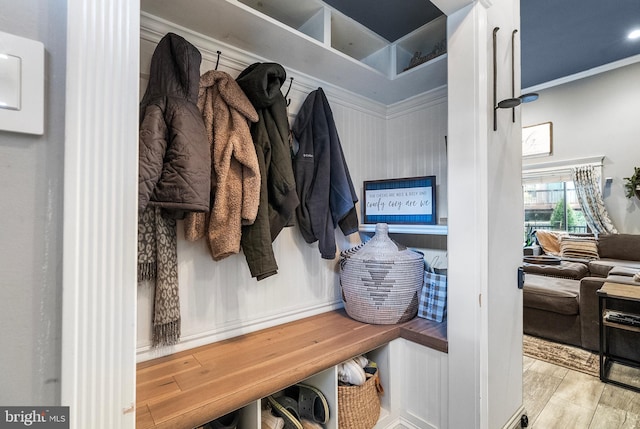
(416, 145)
(220, 299)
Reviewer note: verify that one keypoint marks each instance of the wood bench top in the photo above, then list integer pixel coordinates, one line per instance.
(192, 387)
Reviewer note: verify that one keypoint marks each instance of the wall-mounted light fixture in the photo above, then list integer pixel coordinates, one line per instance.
(508, 103)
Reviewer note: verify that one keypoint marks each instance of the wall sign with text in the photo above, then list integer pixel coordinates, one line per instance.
(400, 201)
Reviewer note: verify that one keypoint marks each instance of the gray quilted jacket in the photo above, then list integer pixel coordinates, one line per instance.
(174, 155)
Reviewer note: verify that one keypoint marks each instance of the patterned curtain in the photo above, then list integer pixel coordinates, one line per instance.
(587, 188)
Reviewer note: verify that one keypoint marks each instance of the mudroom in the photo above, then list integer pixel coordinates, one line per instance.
(237, 336)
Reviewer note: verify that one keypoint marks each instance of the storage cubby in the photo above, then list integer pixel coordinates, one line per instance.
(382, 357)
(360, 43)
(327, 382)
(304, 16)
(354, 39)
(428, 41)
(250, 416)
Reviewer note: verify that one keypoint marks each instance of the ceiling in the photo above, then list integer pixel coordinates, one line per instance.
(559, 38)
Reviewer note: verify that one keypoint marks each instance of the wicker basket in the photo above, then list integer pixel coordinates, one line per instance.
(359, 406)
(381, 281)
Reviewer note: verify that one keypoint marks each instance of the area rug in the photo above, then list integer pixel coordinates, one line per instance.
(563, 355)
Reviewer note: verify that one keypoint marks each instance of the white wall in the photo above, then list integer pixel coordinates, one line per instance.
(416, 143)
(596, 116)
(220, 299)
(31, 174)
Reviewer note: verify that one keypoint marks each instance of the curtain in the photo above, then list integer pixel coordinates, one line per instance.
(588, 191)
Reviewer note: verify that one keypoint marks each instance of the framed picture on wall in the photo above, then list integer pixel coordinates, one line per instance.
(410, 200)
(537, 139)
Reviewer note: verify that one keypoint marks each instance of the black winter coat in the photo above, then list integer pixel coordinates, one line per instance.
(261, 82)
(175, 160)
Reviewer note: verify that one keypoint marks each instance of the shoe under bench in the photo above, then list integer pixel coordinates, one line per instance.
(192, 387)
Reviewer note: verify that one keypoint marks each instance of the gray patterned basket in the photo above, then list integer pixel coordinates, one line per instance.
(381, 280)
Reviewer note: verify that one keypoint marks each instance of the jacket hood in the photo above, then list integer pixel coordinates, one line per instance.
(261, 82)
(175, 70)
(230, 92)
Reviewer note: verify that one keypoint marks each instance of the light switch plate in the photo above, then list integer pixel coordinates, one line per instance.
(21, 84)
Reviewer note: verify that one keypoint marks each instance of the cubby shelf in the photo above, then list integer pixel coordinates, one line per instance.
(313, 38)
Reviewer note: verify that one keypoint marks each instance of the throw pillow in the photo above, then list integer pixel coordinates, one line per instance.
(549, 241)
(578, 247)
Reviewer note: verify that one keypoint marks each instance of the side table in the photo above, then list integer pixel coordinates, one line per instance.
(611, 318)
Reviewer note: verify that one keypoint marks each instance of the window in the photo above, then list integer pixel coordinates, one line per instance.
(553, 206)
(550, 200)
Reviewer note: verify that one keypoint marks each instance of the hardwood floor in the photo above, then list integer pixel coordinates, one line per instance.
(558, 398)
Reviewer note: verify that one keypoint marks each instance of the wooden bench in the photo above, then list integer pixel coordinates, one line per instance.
(189, 388)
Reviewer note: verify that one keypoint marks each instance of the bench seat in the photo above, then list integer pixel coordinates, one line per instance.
(192, 387)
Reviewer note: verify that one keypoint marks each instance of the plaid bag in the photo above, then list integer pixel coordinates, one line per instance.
(433, 297)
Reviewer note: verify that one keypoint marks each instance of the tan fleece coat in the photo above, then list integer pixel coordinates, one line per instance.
(235, 174)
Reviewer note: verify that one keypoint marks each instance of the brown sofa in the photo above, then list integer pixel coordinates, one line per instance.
(566, 309)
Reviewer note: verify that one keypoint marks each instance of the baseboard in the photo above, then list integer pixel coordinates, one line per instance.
(514, 421)
(398, 423)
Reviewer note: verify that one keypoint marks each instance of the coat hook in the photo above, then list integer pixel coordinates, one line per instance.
(285, 96)
(507, 103)
(513, 72)
(218, 60)
(495, 79)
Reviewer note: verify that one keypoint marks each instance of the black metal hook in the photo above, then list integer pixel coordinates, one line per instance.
(218, 60)
(287, 94)
(495, 79)
(513, 72)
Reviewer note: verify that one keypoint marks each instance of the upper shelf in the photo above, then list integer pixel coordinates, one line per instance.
(310, 37)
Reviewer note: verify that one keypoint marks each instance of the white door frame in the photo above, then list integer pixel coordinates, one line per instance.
(100, 213)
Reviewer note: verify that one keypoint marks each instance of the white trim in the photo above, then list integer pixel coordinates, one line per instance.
(233, 330)
(409, 229)
(100, 214)
(418, 102)
(514, 421)
(563, 164)
(584, 74)
(468, 128)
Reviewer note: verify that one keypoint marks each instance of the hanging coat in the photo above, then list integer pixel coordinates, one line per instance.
(326, 193)
(235, 174)
(175, 163)
(261, 82)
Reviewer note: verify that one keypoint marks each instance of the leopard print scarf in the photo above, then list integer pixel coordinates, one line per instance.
(158, 260)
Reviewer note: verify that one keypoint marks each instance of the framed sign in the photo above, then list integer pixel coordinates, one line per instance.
(537, 139)
(400, 201)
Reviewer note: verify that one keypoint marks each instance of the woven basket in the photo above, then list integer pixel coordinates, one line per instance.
(381, 281)
(359, 406)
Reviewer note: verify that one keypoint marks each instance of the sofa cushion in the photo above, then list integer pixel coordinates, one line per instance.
(551, 294)
(601, 267)
(578, 247)
(619, 270)
(566, 269)
(619, 246)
